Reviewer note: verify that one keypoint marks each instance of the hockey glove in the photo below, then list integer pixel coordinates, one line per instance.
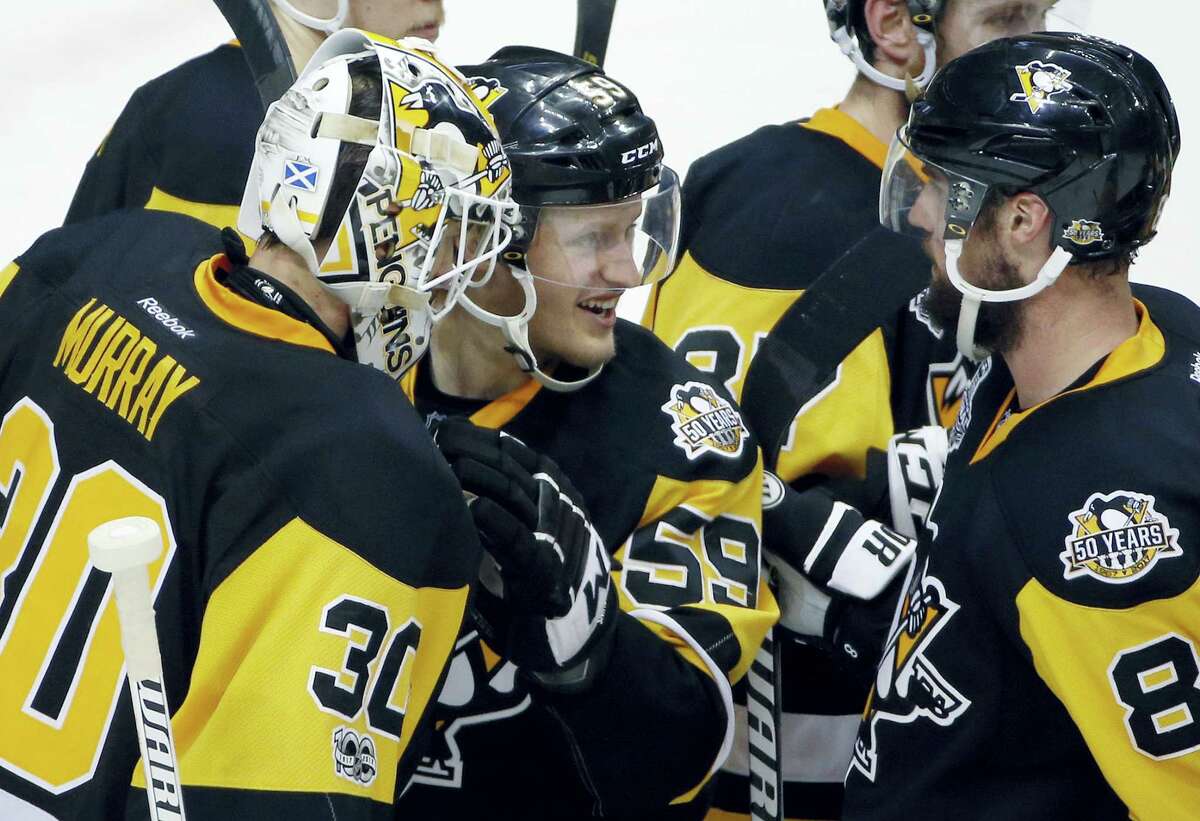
(916, 462)
(829, 562)
(547, 600)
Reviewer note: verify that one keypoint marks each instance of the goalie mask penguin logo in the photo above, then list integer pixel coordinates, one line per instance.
(703, 422)
(1117, 537)
(1039, 82)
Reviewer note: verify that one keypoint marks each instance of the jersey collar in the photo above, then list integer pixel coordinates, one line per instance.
(495, 414)
(840, 125)
(1140, 352)
(249, 316)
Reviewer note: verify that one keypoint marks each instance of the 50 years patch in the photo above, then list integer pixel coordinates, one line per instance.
(1117, 537)
(704, 422)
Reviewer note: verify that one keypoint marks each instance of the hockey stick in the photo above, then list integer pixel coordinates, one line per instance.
(763, 722)
(862, 291)
(593, 22)
(126, 548)
(263, 46)
(795, 362)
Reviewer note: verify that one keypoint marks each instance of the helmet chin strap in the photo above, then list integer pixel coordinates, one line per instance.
(972, 295)
(516, 334)
(328, 25)
(285, 223)
(850, 48)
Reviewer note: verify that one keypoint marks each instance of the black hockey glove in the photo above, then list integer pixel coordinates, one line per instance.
(547, 601)
(838, 573)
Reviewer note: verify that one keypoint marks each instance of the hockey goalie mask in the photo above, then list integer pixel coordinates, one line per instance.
(429, 211)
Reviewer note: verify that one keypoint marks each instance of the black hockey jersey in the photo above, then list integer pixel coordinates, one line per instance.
(1044, 660)
(317, 552)
(671, 480)
(763, 218)
(183, 143)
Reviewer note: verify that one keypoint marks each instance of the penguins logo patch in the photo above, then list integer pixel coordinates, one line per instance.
(1039, 82)
(1117, 537)
(908, 685)
(1084, 232)
(704, 422)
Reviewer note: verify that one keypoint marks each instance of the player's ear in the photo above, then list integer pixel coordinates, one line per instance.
(1025, 221)
(1028, 217)
(894, 35)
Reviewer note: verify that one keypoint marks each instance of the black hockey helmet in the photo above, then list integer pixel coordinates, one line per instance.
(1085, 123)
(848, 29)
(574, 136)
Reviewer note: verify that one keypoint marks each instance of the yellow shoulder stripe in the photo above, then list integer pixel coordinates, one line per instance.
(214, 214)
(497, 413)
(832, 433)
(252, 719)
(7, 275)
(841, 125)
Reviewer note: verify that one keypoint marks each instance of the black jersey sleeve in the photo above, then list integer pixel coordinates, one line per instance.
(121, 173)
(183, 143)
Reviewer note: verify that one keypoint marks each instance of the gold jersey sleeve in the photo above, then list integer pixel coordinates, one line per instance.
(314, 670)
(697, 551)
(1132, 687)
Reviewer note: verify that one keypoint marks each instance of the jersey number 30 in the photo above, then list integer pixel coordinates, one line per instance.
(60, 644)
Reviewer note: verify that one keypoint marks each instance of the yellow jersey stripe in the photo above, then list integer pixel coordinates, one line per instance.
(1143, 350)
(7, 276)
(249, 317)
(251, 719)
(1075, 649)
(838, 124)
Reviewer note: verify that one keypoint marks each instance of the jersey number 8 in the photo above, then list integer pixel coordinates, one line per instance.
(1159, 685)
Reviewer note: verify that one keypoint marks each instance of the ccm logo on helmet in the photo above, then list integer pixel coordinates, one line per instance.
(639, 153)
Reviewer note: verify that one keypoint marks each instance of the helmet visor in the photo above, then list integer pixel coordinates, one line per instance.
(920, 198)
(613, 246)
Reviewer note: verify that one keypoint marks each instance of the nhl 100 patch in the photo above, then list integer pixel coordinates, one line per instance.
(1117, 537)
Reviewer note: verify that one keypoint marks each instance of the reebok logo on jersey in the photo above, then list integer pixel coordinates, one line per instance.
(703, 422)
(150, 306)
(1196, 366)
(1117, 537)
(117, 364)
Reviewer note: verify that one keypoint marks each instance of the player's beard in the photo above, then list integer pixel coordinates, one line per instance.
(998, 325)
